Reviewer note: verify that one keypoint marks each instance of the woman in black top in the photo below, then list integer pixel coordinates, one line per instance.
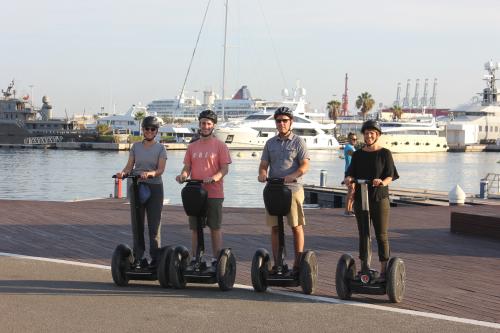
(375, 163)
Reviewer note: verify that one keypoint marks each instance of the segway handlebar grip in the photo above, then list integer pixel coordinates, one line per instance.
(130, 176)
(362, 181)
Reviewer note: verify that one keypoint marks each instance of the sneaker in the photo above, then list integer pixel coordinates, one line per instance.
(349, 214)
(153, 263)
(214, 262)
(352, 214)
(144, 263)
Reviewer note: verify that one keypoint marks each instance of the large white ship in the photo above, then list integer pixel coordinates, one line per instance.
(479, 120)
(253, 131)
(415, 135)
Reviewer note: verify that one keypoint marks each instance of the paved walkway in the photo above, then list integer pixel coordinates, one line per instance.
(447, 274)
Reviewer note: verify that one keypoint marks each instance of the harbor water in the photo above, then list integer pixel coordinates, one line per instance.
(64, 175)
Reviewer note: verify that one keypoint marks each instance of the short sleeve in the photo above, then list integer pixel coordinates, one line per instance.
(265, 153)
(302, 152)
(389, 168)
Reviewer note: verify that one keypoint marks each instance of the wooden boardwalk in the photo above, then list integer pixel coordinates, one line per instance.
(447, 273)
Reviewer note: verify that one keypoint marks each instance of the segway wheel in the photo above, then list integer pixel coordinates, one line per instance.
(164, 267)
(260, 268)
(308, 276)
(120, 263)
(226, 270)
(346, 269)
(396, 279)
(178, 264)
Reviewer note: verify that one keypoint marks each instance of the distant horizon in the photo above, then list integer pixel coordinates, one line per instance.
(93, 54)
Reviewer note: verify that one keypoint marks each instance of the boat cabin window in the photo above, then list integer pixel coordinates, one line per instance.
(300, 120)
(258, 117)
(305, 131)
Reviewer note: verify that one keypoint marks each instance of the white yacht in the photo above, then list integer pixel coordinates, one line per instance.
(479, 120)
(413, 135)
(253, 131)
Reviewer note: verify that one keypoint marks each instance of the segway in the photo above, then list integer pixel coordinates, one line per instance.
(368, 280)
(182, 268)
(122, 268)
(278, 199)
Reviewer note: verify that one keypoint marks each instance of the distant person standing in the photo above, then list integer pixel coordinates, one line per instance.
(349, 150)
(207, 159)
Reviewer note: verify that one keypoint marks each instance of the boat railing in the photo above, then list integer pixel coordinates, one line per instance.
(493, 180)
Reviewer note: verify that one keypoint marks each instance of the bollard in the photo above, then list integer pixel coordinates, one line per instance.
(118, 188)
(456, 196)
(483, 189)
(322, 178)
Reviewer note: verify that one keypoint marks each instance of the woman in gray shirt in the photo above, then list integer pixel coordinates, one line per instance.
(147, 159)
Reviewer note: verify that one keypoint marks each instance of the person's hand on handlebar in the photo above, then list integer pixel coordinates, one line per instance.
(209, 180)
(181, 178)
(377, 182)
(289, 179)
(120, 175)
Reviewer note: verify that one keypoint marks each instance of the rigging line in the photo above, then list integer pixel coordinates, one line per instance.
(194, 51)
(272, 43)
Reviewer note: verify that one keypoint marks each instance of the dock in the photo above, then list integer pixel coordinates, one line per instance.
(447, 273)
(334, 197)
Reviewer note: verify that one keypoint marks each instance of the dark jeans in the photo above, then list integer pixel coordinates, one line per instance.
(379, 212)
(152, 208)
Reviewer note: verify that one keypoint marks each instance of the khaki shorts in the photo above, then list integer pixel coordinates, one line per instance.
(214, 214)
(296, 215)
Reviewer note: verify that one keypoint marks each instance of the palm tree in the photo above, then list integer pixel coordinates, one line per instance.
(103, 129)
(365, 103)
(139, 116)
(397, 112)
(333, 108)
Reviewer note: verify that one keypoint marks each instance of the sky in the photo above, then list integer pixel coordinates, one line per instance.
(95, 55)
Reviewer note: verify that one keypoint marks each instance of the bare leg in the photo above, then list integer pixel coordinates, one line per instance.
(216, 241)
(298, 242)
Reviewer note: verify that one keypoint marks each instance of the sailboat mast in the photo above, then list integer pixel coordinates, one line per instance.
(224, 65)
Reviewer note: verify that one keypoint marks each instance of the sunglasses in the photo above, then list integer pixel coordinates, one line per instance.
(281, 120)
(354, 139)
(150, 129)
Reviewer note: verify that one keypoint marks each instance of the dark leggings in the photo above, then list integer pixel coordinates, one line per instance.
(379, 212)
(152, 208)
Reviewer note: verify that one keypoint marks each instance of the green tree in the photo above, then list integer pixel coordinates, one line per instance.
(365, 103)
(397, 112)
(333, 108)
(139, 116)
(103, 129)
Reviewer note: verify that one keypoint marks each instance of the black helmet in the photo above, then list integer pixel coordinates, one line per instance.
(208, 114)
(150, 121)
(283, 111)
(371, 124)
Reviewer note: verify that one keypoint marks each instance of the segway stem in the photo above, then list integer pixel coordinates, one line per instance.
(281, 242)
(200, 242)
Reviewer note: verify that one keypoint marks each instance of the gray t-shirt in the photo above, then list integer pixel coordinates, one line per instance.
(146, 159)
(284, 156)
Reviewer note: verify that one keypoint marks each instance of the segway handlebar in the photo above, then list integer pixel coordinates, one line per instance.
(362, 181)
(277, 180)
(130, 176)
(196, 181)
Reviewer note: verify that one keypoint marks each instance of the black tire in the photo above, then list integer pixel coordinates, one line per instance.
(346, 269)
(396, 279)
(260, 269)
(308, 274)
(226, 270)
(120, 263)
(163, 271)
(178, 263)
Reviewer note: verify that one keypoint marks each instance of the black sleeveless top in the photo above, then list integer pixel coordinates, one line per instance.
(373, 165)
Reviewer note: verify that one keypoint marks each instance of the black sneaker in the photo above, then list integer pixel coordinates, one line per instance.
(153, 264)
(144, 263)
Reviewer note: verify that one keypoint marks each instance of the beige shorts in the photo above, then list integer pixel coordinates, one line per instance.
(296, 215)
